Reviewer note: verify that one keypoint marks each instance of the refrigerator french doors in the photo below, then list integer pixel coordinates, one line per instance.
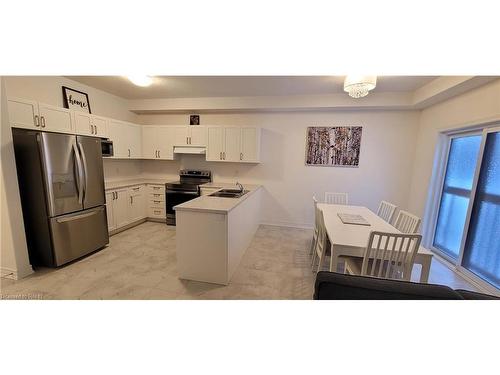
(62, 193)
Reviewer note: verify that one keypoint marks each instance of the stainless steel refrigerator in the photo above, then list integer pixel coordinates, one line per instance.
(61, 184)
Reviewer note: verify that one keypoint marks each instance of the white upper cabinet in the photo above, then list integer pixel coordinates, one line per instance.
(233, 144)
(149, 142)
(181, 136)
(117, 133)
(55, 119)
(23, 113)
(158, 142)
(87, 124)
(127, 139)
(197, 135)
(215, 144)
(165, 137)
(194, 135)
(30, 114)
(250, 145)
(134, 136)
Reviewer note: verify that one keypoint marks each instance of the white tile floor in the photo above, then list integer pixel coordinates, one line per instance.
(140, 263)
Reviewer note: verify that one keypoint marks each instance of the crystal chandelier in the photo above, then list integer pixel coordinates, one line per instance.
(359, 86)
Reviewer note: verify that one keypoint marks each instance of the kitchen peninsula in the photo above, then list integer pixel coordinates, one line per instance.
(213, 233)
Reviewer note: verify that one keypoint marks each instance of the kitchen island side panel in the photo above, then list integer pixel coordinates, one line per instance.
(243, 222)
(202, 246)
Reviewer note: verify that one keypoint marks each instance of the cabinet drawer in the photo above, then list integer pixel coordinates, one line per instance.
(136, 190)
(157, 197)
(156, 189)
(158, 213)
(154, 203)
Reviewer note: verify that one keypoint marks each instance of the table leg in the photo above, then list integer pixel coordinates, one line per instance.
(334, 259)
(426, 269)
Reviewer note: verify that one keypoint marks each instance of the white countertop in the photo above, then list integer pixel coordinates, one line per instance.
(206, 203)
(116, 184)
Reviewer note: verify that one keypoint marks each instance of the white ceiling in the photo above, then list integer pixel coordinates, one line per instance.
(220, 86)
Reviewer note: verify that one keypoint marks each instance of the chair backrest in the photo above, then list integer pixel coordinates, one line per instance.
(406, 222)
(336, 198)
(390, 255)
(386, 210)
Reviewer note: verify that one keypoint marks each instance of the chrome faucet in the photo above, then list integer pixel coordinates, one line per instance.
(240, 186)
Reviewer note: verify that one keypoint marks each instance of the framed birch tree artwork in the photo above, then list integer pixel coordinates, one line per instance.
(336, 146)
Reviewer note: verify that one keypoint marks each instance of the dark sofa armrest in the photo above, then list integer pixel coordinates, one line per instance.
(332, 285)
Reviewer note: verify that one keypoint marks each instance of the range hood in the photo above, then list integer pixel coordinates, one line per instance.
(190, 150)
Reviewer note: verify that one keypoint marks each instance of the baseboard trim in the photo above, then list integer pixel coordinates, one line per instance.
(128, 226)
(287, 225)
(9, 273)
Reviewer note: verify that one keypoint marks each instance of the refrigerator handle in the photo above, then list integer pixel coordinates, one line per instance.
(80, 174)
(78, 217)
(82, 153)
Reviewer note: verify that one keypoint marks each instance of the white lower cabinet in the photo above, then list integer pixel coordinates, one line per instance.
(125, 206)
(110, 212)
(156, 202)
(137, 203)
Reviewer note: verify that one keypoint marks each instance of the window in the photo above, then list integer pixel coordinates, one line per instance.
(467, 229)
(456, 193)
(482, 249)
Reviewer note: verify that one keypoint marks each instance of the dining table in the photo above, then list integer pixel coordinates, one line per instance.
(350, 240)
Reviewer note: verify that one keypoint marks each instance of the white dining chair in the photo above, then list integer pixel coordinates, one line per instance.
(386, 210)
(321, 242)
(336, 198)
(406, 222)
(387, 255)
(316, 224)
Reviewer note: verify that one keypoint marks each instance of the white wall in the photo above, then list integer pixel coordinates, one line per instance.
(386, 160)
(48, 89)
(479, 105)
(13, 251)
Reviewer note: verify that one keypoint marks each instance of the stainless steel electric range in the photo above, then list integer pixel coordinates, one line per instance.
(185, 189)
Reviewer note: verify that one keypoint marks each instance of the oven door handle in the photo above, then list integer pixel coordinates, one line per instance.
(182, 192)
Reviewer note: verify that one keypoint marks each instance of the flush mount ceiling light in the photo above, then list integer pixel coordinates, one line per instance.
(139, 80)
(359, 86)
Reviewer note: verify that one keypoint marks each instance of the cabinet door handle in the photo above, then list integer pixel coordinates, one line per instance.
(224, 155)
(241, 156)
(131, 199)
(158, 153)
(187, 140)
(42, 120)
(190, 140)
(116, 195)
(95, 129)
(37, 121)
(128, 152)
(220, 156)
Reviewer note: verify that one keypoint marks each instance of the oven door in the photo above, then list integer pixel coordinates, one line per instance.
(175, 197)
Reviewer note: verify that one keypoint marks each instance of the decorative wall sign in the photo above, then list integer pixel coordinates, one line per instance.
(194, 120)
(333, 146)
(77, 100)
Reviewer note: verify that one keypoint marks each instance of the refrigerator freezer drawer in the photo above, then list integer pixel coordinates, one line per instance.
(77, 234)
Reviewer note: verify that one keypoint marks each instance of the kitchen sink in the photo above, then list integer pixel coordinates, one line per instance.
(229, 193)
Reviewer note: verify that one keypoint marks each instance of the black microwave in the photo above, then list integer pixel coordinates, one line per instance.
(107, 147)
